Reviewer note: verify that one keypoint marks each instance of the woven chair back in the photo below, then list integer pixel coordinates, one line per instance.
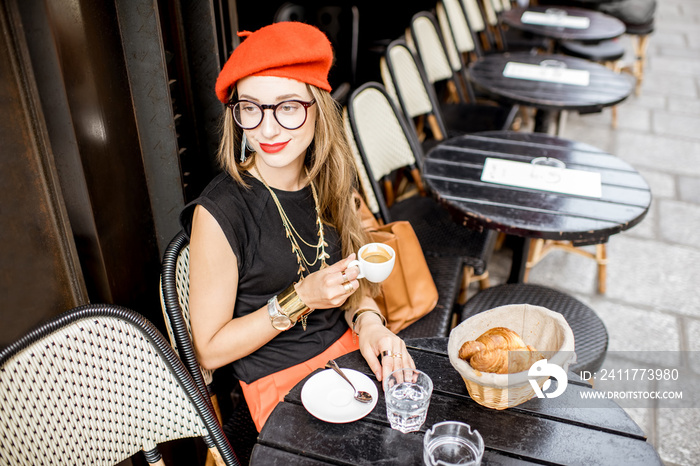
(491, 9)
(455, 30)
(379, 132)
(474, 16)
(404, 77)
(414, 94)
(387, 80)
(175, 304)
(430, 48)
(95, 386)
(365, 182)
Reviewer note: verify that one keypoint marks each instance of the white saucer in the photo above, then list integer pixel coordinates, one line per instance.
(329, 398)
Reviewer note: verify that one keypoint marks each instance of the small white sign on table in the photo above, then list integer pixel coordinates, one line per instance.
(551, 74)
(542, 177)
(548, 19)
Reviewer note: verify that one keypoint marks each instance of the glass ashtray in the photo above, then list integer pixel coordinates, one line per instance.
(551, 63)
(556, 12)
(548, 162)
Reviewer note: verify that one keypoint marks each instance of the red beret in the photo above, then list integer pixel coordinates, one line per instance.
(286, 50)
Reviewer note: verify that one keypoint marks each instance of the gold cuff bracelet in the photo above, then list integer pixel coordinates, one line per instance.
(292, 306)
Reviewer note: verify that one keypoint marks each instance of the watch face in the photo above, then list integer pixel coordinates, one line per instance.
(281, 322)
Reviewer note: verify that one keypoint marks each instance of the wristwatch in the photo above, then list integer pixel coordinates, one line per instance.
(278, 319)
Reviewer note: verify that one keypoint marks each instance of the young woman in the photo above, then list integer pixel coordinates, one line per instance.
(272, 236)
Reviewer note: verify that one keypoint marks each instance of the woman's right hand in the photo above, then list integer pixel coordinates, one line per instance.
(329, 287)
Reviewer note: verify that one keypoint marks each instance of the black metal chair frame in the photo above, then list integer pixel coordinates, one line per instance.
(99, 351)
(181, 339)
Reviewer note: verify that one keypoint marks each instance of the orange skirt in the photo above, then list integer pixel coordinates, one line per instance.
(263, 395)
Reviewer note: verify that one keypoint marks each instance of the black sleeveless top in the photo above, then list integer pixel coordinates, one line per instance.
(266, 265)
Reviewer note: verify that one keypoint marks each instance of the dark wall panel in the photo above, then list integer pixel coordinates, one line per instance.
(93, 70)
(39, 271)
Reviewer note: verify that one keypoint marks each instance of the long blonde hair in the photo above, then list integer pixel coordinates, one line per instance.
(331, 166)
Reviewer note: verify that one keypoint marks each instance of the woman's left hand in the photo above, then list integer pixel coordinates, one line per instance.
(377, 341)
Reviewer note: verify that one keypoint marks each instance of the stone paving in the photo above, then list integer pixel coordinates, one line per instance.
(652, 303)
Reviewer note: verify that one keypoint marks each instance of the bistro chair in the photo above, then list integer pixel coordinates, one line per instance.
(638, 16)
(457, 34)
(431, 52)
(539, 248)
(608, 53)
(445, 270)
(387, 145)
(425, 40)
(494, 36)
(590, 334)
(475, 17)
(96, 385)
(174, 300)
(490, 10)
(641, 33)
(405, 80)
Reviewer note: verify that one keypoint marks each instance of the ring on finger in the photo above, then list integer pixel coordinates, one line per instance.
(345, 278)
(348, 287)
(390, 354)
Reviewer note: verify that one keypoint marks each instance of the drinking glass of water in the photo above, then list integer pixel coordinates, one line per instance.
(407, 393)
(452, 443)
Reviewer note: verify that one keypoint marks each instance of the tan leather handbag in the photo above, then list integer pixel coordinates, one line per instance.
(409, 293)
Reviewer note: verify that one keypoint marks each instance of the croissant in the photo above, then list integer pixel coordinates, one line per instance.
(499, 350)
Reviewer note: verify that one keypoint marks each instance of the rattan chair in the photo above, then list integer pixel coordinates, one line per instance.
(425, 39)
(479, 27)
(445, 270)
(405, 80)
(444, 61)
(175, 304)
(174, 299)
(638, 17)
(495, 37)
(458, 36)
(96, 385)
(590, 334)
(387, 145)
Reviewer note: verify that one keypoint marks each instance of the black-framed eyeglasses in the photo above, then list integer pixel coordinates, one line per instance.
(290, 114)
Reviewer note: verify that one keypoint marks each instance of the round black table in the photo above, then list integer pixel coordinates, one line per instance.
(601, 27)
(452, 170)
(605, 87)
(558, 430)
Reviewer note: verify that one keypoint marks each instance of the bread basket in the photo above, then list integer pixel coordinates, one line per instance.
(540, 327)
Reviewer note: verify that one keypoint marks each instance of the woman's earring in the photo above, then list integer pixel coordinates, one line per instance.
(244, 146)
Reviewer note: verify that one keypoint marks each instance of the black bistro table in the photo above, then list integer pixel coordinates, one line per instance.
(603, 89)
(600, 26)
(548, 431)
(452, 170)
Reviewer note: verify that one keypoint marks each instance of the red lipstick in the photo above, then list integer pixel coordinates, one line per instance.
(273, 148)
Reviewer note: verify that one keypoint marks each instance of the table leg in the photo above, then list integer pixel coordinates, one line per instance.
(544, 119)
(521, 250)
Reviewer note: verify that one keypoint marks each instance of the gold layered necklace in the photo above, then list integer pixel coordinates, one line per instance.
(293, 235)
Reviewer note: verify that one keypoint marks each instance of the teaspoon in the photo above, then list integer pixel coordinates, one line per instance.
(359, 395)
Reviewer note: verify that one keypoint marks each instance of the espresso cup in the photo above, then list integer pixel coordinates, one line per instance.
(375, 261)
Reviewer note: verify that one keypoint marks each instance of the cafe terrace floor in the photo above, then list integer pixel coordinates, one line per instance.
(652, 303)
